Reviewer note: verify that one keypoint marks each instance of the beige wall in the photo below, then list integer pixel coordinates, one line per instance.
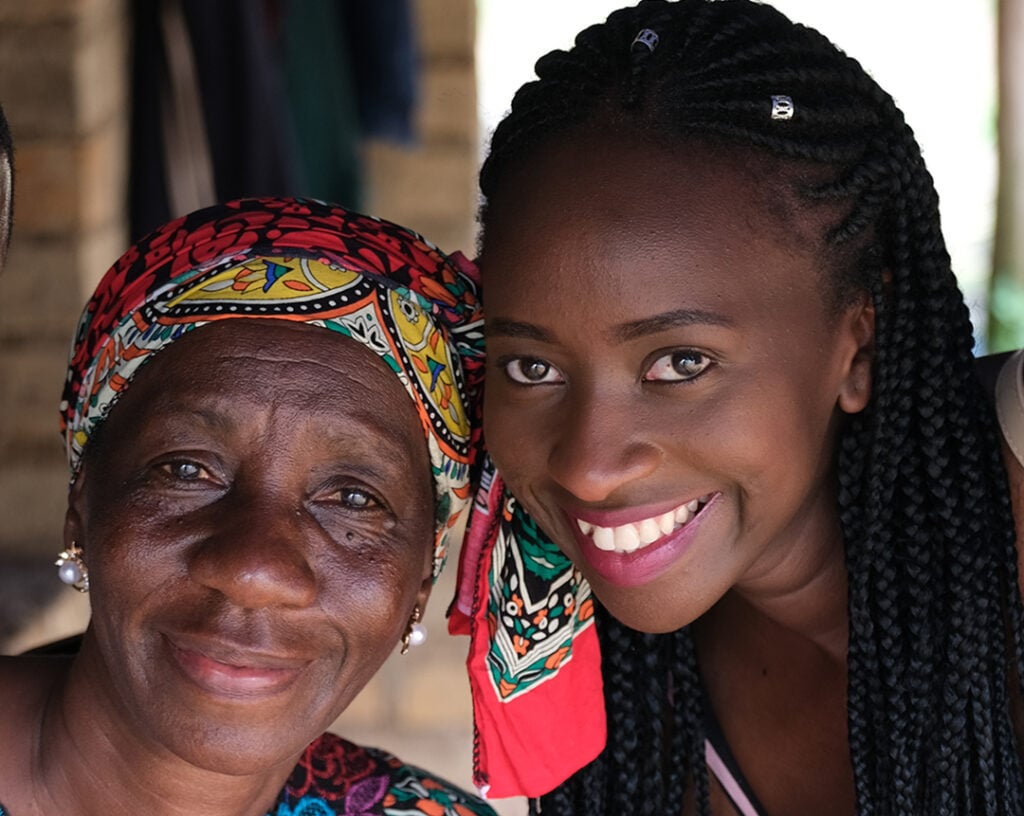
(62, 84)
(433, 188)
(63, 71)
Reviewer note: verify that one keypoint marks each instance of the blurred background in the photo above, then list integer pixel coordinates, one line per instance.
(125, 114)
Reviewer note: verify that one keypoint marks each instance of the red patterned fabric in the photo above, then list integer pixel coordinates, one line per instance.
(524, 673)
(303, 260)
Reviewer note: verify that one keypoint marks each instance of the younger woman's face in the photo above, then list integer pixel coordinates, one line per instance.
(665, 378)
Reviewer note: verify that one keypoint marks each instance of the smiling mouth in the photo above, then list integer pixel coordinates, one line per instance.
(229, 671)
(628, 538)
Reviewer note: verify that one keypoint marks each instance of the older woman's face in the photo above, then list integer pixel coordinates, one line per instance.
(257, 518)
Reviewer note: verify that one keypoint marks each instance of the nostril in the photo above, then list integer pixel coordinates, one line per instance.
(593, 474)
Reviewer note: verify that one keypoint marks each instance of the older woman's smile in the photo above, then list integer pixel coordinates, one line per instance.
(230, 669)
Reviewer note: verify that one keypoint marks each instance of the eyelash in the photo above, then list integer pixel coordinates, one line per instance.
(676, 357)
(672, 359)
(372, 501)
(506, 364)
(168, 470)
(202, 477)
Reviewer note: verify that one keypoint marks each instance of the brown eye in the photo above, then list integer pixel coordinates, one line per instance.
(531, 371)
(678, 366)
(356, 498)
(185, 470)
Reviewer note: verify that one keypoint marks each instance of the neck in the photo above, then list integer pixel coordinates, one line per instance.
(813, 608)
(799, 598)
(81, 731)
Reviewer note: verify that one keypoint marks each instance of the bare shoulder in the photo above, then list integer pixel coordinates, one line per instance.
(25, 683)
(988, 369)
(27, 679)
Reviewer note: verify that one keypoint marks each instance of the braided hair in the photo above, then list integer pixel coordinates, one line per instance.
(935, 615)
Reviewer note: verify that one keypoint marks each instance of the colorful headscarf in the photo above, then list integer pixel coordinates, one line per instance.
(534, 660)
(302, 260)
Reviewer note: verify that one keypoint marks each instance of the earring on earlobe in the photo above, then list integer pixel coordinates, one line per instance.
(415, 632)
(71, 568)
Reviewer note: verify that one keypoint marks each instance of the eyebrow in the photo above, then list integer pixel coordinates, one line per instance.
(669, 320)
(517, 328)
(625, 331)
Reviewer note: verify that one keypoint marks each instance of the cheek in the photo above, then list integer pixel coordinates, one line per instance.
(518, 434)
(751, 435)
(127, 557)
(775, 441)
(370, 593)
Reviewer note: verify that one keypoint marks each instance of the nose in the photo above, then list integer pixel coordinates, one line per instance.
(257, 557)
(601, 446)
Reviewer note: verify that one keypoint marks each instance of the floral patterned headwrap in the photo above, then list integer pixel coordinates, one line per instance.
(291, 259)
(534, 660)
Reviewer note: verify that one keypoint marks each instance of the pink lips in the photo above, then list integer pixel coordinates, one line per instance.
(625, 515)
(226, 670)
(646, 564)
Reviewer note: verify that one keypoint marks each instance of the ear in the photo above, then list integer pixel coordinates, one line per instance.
(74, 518)
(858, 323)
(423, 595)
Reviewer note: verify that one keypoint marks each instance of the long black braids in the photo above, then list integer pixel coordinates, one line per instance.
(936, 624)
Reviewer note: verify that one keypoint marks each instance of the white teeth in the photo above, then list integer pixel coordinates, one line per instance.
(667, 522)
(650, 531)
(604, 538)
(627, 538)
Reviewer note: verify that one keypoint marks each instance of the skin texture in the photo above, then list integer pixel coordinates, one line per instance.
(593, 281)
(255, 548)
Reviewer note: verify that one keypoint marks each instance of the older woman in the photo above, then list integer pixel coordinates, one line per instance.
(265, 417)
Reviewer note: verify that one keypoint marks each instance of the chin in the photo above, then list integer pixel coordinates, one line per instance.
(239, 752)
(645, 611)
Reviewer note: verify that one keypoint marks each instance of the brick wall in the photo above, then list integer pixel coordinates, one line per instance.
(432, 188)
(62, 83)
(63, 70)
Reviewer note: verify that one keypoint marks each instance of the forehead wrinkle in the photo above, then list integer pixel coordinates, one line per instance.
(299, 390)
(389, 432)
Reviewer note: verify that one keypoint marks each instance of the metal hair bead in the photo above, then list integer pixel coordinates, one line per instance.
(646, 37)
(782, 107)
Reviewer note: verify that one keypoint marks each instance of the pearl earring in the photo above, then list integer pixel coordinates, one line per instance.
(71, 568)
(415, 632)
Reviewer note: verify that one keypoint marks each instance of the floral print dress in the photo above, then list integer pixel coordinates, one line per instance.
(335, 777)
(338, 778)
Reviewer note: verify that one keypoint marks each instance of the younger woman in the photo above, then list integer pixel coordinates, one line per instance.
(730, 377)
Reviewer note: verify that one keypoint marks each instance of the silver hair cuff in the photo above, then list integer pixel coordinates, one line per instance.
(646, 37)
